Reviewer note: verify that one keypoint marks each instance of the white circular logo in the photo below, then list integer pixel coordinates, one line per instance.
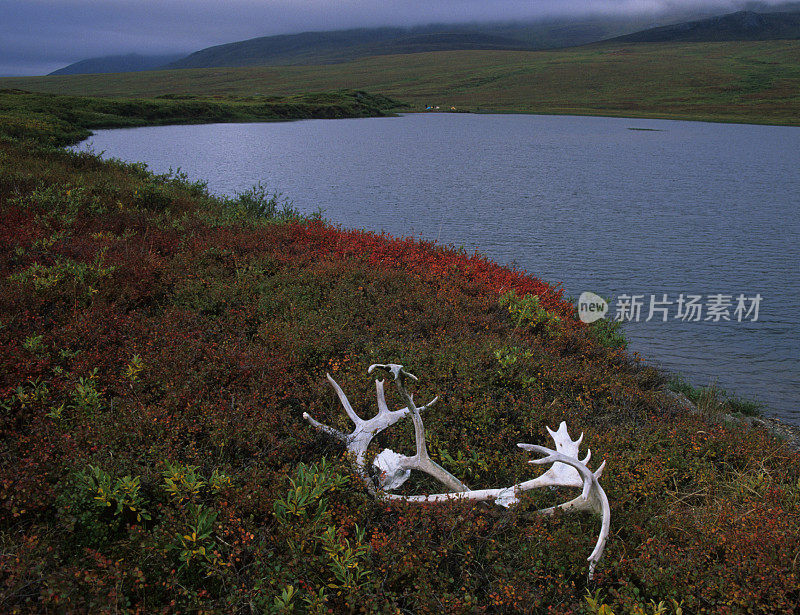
(591, 307)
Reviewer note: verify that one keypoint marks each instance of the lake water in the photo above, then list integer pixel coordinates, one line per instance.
(608, 205)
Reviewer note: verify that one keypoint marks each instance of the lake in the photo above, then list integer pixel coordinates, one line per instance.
(619, 207)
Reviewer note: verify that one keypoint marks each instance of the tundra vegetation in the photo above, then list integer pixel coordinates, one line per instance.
(159, 346)
(742, 81)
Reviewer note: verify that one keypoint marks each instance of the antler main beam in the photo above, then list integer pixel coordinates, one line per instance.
(421, 460)
(393, 469)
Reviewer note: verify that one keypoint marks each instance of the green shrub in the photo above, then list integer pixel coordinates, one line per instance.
(609, 333)
(714, 399)
(528, 312)
(258, 203)
(195, 545)
(95, 506)
(305, 498)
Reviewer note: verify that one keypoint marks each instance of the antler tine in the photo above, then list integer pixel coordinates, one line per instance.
(592, 497)
(345, 402)
(394, 369)
(325, 428)
(599, 471)
(421, 460)
(381, 397)
(398, 372)
(605, 527)
(552, 456)
(364, 431)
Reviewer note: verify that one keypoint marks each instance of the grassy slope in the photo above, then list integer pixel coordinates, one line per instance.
(61, 120)
(158, 347)
(755, 82)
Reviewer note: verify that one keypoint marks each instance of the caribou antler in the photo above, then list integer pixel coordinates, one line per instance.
(359, 440)
(567, 469)
(421, 461)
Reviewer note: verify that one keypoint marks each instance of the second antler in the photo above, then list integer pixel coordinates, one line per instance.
(393, 469)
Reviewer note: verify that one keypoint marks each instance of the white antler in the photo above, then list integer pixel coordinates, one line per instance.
(567, 469)
(421, 460)
(359, 440)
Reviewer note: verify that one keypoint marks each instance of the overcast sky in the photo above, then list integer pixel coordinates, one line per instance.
(39, 36)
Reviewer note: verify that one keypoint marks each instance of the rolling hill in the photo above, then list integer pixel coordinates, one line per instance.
(346, 45)
(128, 63)
(340, 46)
(331, 47)
(739, 26)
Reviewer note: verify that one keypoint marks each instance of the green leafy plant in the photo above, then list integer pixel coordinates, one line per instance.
(35, 391)
(285, 602)
(66, 354)
(218, 481)
(94, 506)
(85, 396)
(34, 344)
(257, 202)
(196, 546)
(121, 495)
(61, 202)
(528, 311)
(713, 399)
(182, 482)
(609, 333)
(56, 412)
(133, 369)
(45, 243)
(506, 357)
(305, 498)
(469, 464)
(595, 605)
(344, 560)
(81, 277)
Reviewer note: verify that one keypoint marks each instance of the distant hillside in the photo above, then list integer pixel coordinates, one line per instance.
(346, 45)
(129, 63)
(338, 46)
(332, 47)
(740, 26)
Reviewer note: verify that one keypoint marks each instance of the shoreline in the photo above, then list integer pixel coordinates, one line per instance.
(786, 431)
(722, 82)
(793, 123)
